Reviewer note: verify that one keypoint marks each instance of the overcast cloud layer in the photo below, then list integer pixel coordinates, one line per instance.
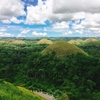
(66, 16)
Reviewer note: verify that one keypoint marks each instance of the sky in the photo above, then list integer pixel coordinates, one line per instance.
(49, 18)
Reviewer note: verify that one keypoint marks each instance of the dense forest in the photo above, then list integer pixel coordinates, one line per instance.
(76, 76)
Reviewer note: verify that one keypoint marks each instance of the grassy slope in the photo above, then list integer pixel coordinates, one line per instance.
(10, 92)
(62, 49)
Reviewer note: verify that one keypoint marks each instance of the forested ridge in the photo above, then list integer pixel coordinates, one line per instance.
(77, 75)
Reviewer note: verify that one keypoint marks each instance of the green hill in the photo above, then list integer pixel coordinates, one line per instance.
(62, 49)
(44, 41)
(10, 92)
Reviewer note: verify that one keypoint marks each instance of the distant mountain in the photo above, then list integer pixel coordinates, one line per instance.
(44, 41)
(62, 49)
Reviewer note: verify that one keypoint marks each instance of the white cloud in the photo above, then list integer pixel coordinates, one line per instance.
(90, 23)
(20, 35)
(6, 21)
(67, 32)
(15, 20)
(39, 34)
(95, 30)
(40, 13)
(25, 31)
(80, 31)
(11, 8)
(73, 6)
(61, 25)
(36, 14)
(4, 34)
(91, 20)
(79, 15)
(60, 17)
(60, 10)
(45, 29)
(77, 26)
(2, 29)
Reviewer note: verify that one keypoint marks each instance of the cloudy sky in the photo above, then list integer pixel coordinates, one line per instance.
(45, 18)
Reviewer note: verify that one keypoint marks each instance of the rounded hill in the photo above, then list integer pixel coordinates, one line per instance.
(80, 40)
(88, 40)
(76, 42)
(62, 49)
(44, 41)
(73, 42)
(16, 42)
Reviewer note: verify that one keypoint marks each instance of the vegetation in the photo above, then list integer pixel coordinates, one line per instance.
(10, 92)
(73, 77)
